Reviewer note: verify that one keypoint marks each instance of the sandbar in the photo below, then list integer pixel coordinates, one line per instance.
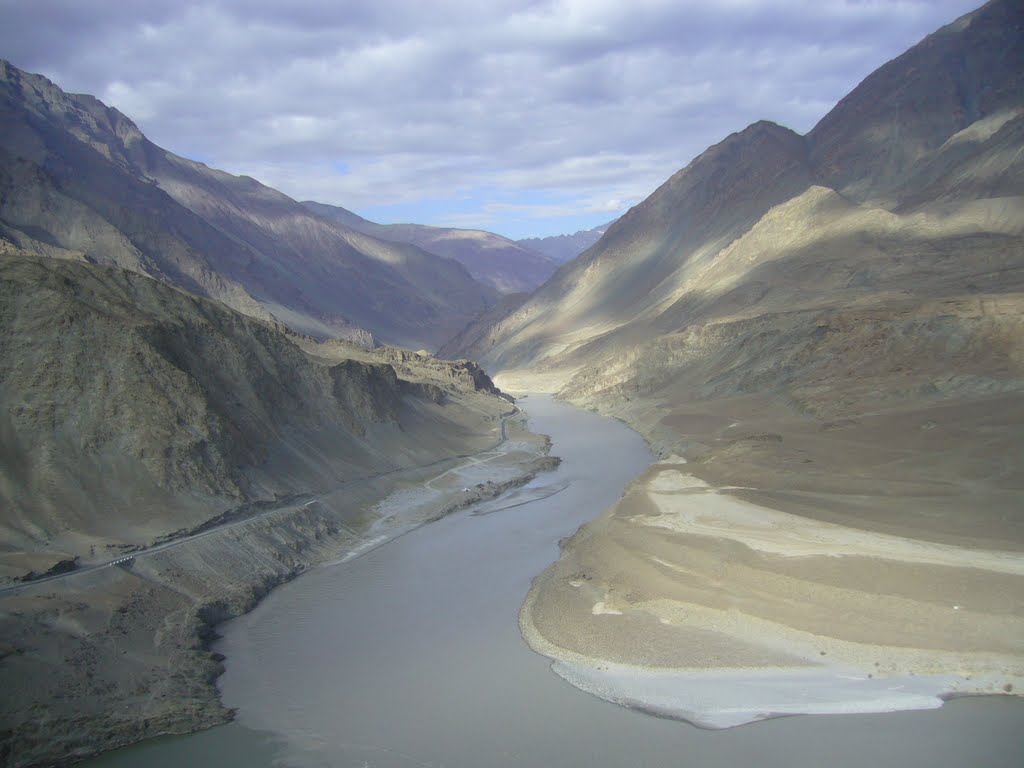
(687, 602)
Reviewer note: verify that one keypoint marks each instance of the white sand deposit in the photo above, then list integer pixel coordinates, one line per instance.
(688, 603)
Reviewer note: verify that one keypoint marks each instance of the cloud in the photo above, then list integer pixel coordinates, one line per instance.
(371, 105)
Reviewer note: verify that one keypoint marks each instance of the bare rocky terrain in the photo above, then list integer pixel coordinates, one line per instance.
(79, 180)
(820, 336)
(219, 454)
(564, 248)
(505, 265)
(827, 326)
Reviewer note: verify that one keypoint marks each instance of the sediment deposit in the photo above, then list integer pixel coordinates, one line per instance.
(690, 602)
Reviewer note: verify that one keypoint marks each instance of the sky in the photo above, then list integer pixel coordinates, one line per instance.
(523, 118)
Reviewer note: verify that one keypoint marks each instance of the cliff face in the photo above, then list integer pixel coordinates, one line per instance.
(217, 453)
(133, 410)
(79, 180)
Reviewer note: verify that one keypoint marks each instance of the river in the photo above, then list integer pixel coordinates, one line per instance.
(410, 655)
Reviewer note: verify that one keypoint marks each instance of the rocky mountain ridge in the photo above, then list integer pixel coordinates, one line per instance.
(139, 409)
(503, 264)
(79, 180)
(564, 248)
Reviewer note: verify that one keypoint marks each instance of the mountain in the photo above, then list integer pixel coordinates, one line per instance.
(496, 261)
(824, 333)
(480, 334)
(79, 180)
(639, 263)
(966, 75)
(769, 222)
(133, 409)
(170, 460)
(564, 248)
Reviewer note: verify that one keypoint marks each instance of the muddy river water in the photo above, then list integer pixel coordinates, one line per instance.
(410, 655)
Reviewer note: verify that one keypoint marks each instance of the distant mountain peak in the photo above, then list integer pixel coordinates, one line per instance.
(565, 248)
(495, 261)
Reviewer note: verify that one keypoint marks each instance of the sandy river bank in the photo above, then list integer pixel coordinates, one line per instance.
(690, 603)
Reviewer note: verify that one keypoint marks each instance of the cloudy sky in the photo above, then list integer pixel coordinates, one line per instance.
(525, 118)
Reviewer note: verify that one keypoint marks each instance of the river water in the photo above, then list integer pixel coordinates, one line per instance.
(411, 656)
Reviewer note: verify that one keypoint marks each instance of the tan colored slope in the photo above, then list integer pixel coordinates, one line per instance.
(133, 410)
(816, 266)
(847, 389)
(681, 576)
(862, 524)
(836, 388)
(653, 247)
(952, 137)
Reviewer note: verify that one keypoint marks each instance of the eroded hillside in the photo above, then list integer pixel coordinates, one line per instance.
(168, 461)
(79, 180)
(822, 336)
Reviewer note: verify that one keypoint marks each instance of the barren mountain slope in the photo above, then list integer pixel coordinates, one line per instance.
(477, 335)
(651, 250)
(969, 70)
(65, 193)
(830, 328)
(309, 266)
(220, 456)
(493, 260)
(79, 179)
(672, 261)
(133, 410)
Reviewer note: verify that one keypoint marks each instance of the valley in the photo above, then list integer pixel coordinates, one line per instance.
(824, 349)
(161, 532)
(210, 389)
